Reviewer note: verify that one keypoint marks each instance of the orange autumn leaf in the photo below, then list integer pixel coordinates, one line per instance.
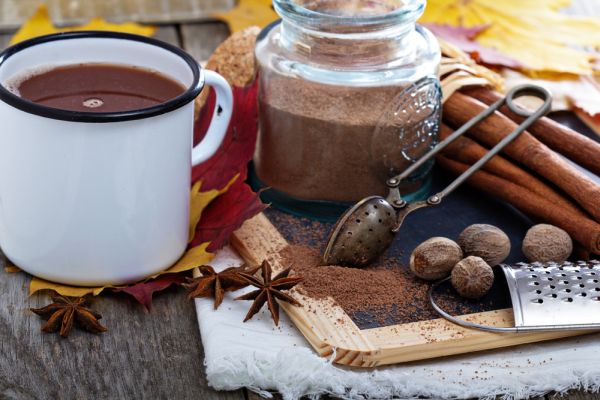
(11, 269)
(248, 13)
(40, 24)
(38, 284)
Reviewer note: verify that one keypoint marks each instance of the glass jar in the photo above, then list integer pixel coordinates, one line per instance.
(348, 97)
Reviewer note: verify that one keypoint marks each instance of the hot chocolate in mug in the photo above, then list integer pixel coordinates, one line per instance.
(92, 198)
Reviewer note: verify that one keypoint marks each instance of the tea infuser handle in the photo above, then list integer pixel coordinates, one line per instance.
(531, 91)
(519, 91)
(395, 181)
(220, 119)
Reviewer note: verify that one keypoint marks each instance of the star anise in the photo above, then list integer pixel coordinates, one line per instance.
(66, 312)
(215, 284)
(269, 289)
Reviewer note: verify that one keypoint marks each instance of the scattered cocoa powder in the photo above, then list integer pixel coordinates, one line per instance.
(376, 296)
(384, 294)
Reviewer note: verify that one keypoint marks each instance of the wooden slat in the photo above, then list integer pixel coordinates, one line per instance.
(4, 39)
(143, 355)
(168, 33)
(200, 40)
(69, 12)
(326, 326)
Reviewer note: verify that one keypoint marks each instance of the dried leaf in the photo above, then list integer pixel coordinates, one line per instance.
(530, 31)
(593, 122)
(223, 217)
(192, 258)
(580, 92)
(143, 292)
(200, 200)
(196, 256)
(238, 146)
(11, 269)
(38, 284)
(464, 38)
(248, 13)
(41, 24)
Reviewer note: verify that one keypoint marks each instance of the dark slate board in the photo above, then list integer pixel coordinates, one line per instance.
(462, 208)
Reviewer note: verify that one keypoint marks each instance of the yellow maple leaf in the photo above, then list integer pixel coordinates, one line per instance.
(192, 258)
(38, 284)
(248, 13)
(11, 269)
(531, 31)
(41, 24)
(199, 200)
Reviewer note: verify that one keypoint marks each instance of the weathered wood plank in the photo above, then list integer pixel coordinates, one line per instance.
(200, 40)
(143, 355)
(168, 33)
(4, 39)
(69, 12)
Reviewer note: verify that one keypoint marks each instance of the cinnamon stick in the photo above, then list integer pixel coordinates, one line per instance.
(583, 230)
(468, 151)
(526, 149)
(562, 139)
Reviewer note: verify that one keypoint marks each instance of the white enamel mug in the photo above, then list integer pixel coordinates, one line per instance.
(100, 198)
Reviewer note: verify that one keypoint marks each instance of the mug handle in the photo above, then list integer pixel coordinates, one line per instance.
(220, 119)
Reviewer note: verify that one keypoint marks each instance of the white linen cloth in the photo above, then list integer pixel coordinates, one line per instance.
(262, 357)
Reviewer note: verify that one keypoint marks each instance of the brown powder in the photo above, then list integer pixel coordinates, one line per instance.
(381, 292)
(315, 140)
(382, 295)
(353, 289)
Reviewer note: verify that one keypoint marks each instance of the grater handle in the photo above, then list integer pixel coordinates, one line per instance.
(461, 322)
(497, 329)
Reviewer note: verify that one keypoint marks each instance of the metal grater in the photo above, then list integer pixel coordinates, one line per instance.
(547, 297)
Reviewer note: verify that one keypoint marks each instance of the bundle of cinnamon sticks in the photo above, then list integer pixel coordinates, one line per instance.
(538, 173)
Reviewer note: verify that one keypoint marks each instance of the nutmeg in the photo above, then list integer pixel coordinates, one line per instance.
(545, 243)
(485, 241)
(472, 277)
(434, 258)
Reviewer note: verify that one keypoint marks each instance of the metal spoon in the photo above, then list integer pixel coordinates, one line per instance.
(368, 228)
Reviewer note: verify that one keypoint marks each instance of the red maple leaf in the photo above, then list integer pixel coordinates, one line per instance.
(143, 291)
(226, 214)
(238, 146)
(464, 39)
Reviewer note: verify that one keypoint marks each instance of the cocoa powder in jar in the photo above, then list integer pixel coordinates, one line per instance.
(315, 139)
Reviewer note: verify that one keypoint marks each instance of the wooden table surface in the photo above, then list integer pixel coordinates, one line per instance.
(143, 355)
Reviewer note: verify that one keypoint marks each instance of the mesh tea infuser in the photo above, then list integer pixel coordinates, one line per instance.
(546, 297)
(368, 228)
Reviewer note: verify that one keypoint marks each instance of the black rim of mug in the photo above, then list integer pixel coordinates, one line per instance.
(76, 116)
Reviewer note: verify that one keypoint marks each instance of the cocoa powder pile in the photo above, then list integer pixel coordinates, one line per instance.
(376, 296)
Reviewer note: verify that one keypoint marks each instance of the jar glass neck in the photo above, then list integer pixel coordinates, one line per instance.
(377, 47)
(330, 35)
